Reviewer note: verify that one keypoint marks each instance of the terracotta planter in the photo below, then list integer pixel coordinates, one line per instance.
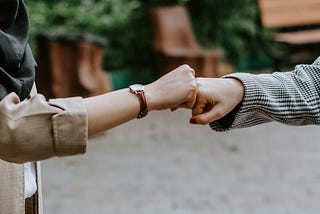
(70, 65)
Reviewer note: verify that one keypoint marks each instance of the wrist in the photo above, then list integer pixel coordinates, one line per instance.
(238, 87)
(139, 91)
(150, 98)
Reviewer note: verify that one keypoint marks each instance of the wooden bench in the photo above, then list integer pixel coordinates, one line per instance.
(296, 20)
(175, 44)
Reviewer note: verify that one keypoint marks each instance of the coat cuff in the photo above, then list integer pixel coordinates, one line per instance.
(234, 119)
(70, 127)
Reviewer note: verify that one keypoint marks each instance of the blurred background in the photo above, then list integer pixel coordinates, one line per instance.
(87, 47)
(230, 26)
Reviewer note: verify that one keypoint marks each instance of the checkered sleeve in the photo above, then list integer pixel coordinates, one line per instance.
(291, 98)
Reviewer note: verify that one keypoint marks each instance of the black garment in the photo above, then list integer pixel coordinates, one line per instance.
(17, 65)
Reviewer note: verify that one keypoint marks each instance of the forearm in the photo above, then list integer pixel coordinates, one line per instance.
(110, 110)
(291, 98)
(177, 88)
(36, 129)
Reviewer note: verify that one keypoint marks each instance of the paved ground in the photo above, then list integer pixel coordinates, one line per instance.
(163, 165)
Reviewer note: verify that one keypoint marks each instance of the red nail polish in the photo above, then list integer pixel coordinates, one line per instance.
(193, 121)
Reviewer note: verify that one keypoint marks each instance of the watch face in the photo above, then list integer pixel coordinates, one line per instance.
(137, 87)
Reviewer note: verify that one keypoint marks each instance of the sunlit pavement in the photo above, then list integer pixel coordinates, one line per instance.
(164, 165)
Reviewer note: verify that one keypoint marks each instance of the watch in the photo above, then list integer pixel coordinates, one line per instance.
(138, 90)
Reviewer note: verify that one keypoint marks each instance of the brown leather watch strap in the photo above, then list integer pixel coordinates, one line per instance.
(143, 104)
(138, 90)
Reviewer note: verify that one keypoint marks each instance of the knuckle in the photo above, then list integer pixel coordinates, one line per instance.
(192, 91)
(186, 68)
(200, 82)
(182, 67)
(193, 87)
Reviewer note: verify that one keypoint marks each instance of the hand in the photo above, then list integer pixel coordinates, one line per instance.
(175, 89)
(216, 97)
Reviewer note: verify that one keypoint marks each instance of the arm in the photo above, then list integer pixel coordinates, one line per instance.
(36, 129)
(176, 88)
(291, 98)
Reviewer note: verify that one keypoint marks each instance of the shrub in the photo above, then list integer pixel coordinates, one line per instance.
(228, 24)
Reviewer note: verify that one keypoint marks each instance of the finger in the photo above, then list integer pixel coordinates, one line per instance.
(199, 106)
(184, 105)
(174, 108)
(198, 109)
(207, 117)
(187, 104)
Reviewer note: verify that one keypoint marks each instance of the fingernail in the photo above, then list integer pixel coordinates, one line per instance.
(193, 121)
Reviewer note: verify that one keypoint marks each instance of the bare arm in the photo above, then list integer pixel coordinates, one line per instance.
(37, 129)
(112, 109)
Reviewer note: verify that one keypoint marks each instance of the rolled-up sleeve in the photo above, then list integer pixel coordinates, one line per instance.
(37, 129)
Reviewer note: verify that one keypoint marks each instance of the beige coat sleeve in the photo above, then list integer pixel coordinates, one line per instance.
(36, 129)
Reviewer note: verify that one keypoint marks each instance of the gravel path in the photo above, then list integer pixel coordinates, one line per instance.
(163, 165)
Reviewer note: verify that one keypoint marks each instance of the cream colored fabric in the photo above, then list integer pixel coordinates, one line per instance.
(30, 179)
(33, 130)
(11, 188)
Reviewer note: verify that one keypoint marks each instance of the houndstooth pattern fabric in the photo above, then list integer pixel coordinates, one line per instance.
(291, 98)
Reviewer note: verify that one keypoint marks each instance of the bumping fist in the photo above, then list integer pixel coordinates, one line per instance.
(216, 97)
(177, 88)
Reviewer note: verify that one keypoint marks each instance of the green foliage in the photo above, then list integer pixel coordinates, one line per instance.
(107, 18)
(96, 16)
(228, 24)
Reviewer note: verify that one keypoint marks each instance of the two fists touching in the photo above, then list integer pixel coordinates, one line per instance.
(209, 98)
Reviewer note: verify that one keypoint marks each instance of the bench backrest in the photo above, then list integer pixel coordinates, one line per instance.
(172, 29)
(289, 13)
